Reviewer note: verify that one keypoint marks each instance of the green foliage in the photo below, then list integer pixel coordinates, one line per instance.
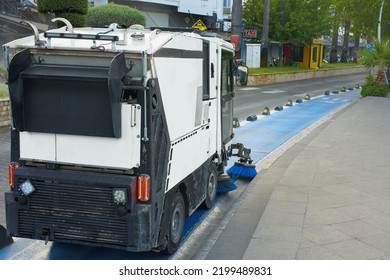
(303, 20)
(275, 70)
(339, 65)
(379, 90)
(298, 21)
(293, 22)
(379, 56)
(292, 69)
(77, 20)
(370, 80)
(252, 13)
(73, 10)
(372, 88)
(68, 6)
(385, 26)
(3, 86)
(363, 23)
(3, 91)
(113, 13)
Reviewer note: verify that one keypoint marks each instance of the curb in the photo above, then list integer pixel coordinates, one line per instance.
(270, 78)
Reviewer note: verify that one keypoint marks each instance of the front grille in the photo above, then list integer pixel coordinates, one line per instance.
(73, 213)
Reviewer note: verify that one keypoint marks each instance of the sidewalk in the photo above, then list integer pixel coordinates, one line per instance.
(329, 195)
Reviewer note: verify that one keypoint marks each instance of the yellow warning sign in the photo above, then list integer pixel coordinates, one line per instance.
(199, 25)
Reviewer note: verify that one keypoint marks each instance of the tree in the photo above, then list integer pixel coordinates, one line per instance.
(341, 18)
(123, 15)
(360, 20)
(303, 20)
(291, 21)
(362, 24)
(386, 21)
(265, 34)
(335, 37)
(344, 53)
(252, 13)
(73, 10)
(296, 22)
(379, 57)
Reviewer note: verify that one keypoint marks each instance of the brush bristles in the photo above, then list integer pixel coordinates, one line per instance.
(242, 171)
(226, 185)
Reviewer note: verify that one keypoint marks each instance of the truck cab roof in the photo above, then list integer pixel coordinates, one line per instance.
(135, 39)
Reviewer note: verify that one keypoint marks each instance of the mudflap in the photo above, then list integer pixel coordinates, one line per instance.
(141, 234)
(5, 239)
(11, 210)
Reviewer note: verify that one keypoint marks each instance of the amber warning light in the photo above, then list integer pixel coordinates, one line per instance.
(143, 193)
(12, 167)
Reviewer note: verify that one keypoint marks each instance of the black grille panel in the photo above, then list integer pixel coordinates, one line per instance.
(73, 213)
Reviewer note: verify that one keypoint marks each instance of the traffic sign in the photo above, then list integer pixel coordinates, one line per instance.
(199, 25)
(369, 46)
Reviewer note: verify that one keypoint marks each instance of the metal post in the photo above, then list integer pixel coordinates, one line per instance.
(243, 53)
(145, 80)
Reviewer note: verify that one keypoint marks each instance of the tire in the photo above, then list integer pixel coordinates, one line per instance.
(176, 223)
(211, 189)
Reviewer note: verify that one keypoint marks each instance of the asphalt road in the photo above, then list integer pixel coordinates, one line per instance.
(251, 100)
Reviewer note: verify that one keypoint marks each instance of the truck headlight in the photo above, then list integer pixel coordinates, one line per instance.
(27, 188)
(120, 196)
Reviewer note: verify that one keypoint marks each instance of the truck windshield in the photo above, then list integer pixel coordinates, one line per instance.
(227, 96)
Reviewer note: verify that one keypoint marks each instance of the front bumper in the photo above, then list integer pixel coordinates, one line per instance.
(78, 207)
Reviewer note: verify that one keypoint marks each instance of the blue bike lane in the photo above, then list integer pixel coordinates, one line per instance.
(269, 132)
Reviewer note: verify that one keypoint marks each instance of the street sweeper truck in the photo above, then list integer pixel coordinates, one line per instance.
(117, 134)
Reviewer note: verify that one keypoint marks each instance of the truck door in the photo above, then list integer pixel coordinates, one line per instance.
(227, 95)
(211, 74)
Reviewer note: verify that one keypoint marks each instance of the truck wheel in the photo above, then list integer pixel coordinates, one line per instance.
(211, 190)
(176, 223)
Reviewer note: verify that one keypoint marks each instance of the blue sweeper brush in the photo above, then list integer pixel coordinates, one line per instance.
(225, 184)
(242, 170)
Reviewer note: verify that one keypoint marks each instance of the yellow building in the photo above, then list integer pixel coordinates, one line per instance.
(309, 56)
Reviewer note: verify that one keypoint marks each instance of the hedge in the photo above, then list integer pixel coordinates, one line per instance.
(70, 6)
(77, 20)
(123, 15)
(379, 90)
